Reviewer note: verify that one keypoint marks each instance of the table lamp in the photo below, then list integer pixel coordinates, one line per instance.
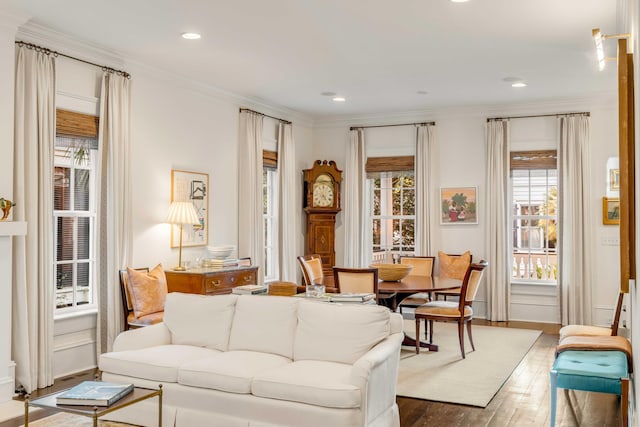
(182, 213)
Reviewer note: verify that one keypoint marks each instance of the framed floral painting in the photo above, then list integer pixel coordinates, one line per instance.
(458, 205)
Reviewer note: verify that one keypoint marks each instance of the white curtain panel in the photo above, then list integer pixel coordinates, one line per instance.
(574, 220)
(250, 197)
(287, 222)
(114, 209)
(497, 230)
(357, 235)
(34, 138)
(424, 166)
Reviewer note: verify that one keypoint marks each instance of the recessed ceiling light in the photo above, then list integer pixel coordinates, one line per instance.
(459, 1)
(422, 92)
(339, 99)
(515, 81)
(328, 94)
(191, 36)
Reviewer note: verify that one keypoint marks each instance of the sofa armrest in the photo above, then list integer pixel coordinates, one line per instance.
(376, 374)
(148, 336)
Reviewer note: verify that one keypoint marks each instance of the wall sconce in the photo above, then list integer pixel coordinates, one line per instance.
(598, 38)
(182, 213)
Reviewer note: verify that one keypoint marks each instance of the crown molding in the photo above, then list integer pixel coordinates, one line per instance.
(606, 100)
(55, 40)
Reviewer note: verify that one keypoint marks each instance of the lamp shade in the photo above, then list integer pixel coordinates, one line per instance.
(182, 213)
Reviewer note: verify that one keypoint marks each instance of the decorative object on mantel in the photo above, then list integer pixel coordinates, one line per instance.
(182, 213)
(6, 206)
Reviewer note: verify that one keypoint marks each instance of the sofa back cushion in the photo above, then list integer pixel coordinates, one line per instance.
(338, 332)
(200, 320)
(264, 323)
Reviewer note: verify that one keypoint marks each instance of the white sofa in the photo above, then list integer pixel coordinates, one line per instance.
(247, 360)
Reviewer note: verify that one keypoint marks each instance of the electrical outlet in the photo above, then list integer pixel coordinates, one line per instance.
(611, 241)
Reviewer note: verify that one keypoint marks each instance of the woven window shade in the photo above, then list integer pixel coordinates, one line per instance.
(389, 164)
(70, 123)
(544, 159)
(269, 159)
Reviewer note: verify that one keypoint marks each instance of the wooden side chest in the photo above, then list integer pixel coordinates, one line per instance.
(210, 281)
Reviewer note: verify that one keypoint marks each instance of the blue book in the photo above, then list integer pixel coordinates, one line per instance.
(94, 393)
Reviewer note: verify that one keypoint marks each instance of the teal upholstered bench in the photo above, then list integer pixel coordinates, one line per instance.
(598, 371)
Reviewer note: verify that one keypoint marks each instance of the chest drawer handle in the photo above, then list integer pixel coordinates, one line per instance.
(247, 278)
(215, 283)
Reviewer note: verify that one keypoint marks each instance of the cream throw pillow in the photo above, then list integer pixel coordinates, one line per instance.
(148, 290)
(454, 267)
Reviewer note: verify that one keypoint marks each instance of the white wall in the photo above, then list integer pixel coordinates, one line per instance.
(461, 162)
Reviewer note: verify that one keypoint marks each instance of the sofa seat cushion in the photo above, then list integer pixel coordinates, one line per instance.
(313, 382)
(231, 371)
(159, 363)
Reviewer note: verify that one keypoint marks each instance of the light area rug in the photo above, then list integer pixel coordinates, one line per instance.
(444, 376)
(69, 420)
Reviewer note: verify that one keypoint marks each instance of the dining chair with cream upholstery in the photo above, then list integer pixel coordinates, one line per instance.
(359, 280)
(422, 266)
(460, 312)
(311, 266)
(455, 267)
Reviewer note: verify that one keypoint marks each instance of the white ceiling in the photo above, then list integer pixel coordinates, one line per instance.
(376, 53)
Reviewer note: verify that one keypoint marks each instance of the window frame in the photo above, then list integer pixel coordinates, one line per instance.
(533, 161)
(270, 222)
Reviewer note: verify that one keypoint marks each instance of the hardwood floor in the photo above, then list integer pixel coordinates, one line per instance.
(522, 401)
(524, 398)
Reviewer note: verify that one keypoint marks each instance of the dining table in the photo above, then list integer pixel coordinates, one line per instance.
(409, 286)
(414, 284)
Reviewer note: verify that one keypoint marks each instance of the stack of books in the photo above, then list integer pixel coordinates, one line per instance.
(355, 298)
(94, 393)
(219, 263)
(250, 290)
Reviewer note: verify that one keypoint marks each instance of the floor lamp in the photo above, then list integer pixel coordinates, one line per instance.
(182, 213)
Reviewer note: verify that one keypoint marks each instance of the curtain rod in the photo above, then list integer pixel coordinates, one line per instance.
(266, 115)
(387, 126)
(56, 53)
(584, 113)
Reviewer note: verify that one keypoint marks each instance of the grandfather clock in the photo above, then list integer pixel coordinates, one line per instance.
(322, 203)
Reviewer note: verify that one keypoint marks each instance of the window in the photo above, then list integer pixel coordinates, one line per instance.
(392, 213)
(270, 198)
(534, 195)
(74, 215)
(74, 211)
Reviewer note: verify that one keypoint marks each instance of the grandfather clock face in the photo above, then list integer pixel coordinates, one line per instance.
(323, 192)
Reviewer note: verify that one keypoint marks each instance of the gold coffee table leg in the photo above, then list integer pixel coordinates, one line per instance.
(26, 410)
(160, 406)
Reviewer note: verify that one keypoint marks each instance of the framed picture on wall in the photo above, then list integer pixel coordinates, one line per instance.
(458, 205)
(191, 187)
(614, 179)
(610, 210)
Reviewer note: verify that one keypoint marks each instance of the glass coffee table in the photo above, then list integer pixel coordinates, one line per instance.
(137, 395)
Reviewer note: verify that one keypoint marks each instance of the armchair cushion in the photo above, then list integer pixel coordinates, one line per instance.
(148, 291)
(454, 267)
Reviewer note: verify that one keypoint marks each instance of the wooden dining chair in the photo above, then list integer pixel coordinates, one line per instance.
(422, 266)
(311, 266)
(460, 312)
(454, 266)
(360, 280)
